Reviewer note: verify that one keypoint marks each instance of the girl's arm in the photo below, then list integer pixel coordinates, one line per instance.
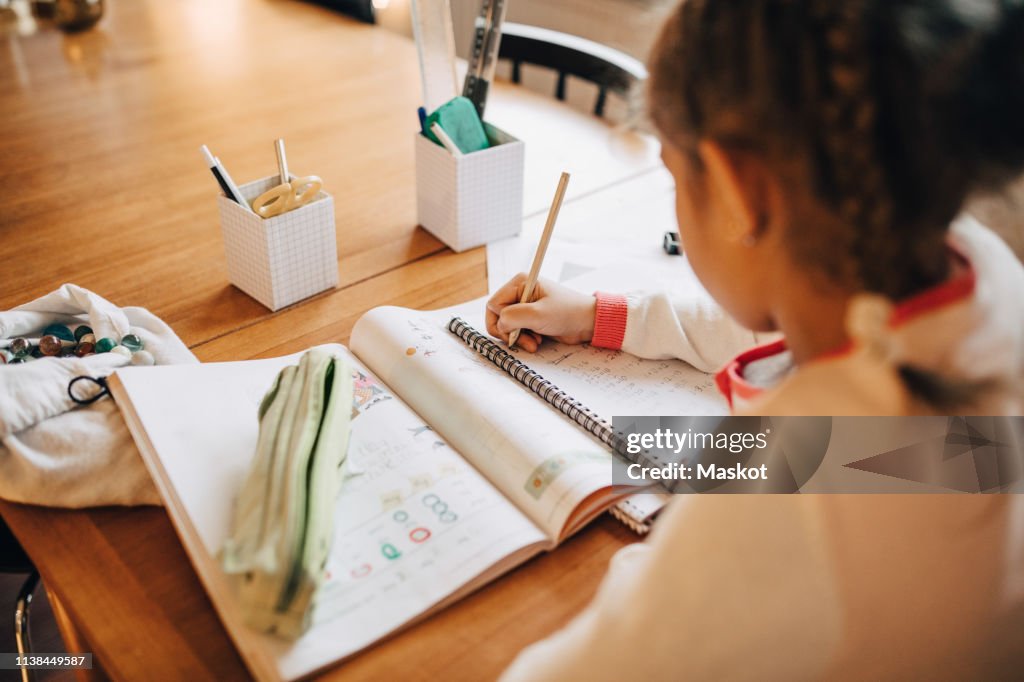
(688, 327)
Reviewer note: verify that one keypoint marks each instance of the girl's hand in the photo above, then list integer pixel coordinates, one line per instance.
(562, 313)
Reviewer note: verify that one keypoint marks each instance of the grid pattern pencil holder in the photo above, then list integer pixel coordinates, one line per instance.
(283, 259)
(473, 199)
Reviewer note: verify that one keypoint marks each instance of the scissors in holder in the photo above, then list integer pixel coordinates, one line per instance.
(291, 193)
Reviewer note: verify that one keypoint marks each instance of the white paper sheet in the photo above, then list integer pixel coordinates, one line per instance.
(627, 221)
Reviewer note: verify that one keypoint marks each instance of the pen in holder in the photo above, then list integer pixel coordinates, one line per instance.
(282, 259)
(472, 199)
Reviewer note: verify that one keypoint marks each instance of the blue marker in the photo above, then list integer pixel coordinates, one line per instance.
(423, 119)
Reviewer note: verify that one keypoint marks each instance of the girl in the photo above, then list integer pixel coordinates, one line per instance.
(822, 150)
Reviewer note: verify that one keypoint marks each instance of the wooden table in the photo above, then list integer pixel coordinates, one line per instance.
(100, 134)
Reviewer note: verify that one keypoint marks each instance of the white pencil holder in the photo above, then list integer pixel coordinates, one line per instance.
(472, 199)
(283, 259)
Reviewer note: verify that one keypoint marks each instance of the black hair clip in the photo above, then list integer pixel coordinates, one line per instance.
(101, 382)
(672, 244)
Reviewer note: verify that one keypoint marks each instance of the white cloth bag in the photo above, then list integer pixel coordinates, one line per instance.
(55, 452)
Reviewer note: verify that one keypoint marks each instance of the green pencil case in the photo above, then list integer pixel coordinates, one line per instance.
(284, 515)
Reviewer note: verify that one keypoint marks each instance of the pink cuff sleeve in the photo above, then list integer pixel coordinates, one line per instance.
(609, 320)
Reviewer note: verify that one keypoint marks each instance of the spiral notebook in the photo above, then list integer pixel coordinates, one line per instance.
(546, 390)
(637, 511)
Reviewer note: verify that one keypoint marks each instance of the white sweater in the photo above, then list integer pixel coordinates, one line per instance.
(774, 587)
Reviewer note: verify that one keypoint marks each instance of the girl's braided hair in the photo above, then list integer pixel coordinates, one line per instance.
(898, 109)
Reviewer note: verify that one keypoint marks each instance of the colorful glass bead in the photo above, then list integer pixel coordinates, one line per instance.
(121, 350)
(143, 357)
(5, 356)
(105, 344)
(88, 338)
(50, 345)
(61, 331)
(81, 330)
(131, 342)
(84, 348)
(20, 347)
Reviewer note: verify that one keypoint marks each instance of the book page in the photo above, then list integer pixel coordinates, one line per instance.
(414, 523)
(543, 461)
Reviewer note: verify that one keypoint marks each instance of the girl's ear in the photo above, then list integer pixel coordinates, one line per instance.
(739, 183)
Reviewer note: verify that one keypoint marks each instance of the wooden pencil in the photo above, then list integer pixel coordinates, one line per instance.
(542, 249)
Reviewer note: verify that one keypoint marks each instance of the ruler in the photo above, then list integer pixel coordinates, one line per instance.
(435, 43)
(483, 60)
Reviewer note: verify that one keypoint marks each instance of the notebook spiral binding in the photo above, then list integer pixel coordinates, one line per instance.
(635, 525)
(548, 392)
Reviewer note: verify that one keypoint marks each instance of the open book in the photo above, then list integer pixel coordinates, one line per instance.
(455, 473)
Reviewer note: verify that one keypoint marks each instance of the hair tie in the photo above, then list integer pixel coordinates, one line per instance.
(867, 321)
(101, 382)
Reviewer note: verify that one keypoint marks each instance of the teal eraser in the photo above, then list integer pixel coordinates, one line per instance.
(459, 119)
